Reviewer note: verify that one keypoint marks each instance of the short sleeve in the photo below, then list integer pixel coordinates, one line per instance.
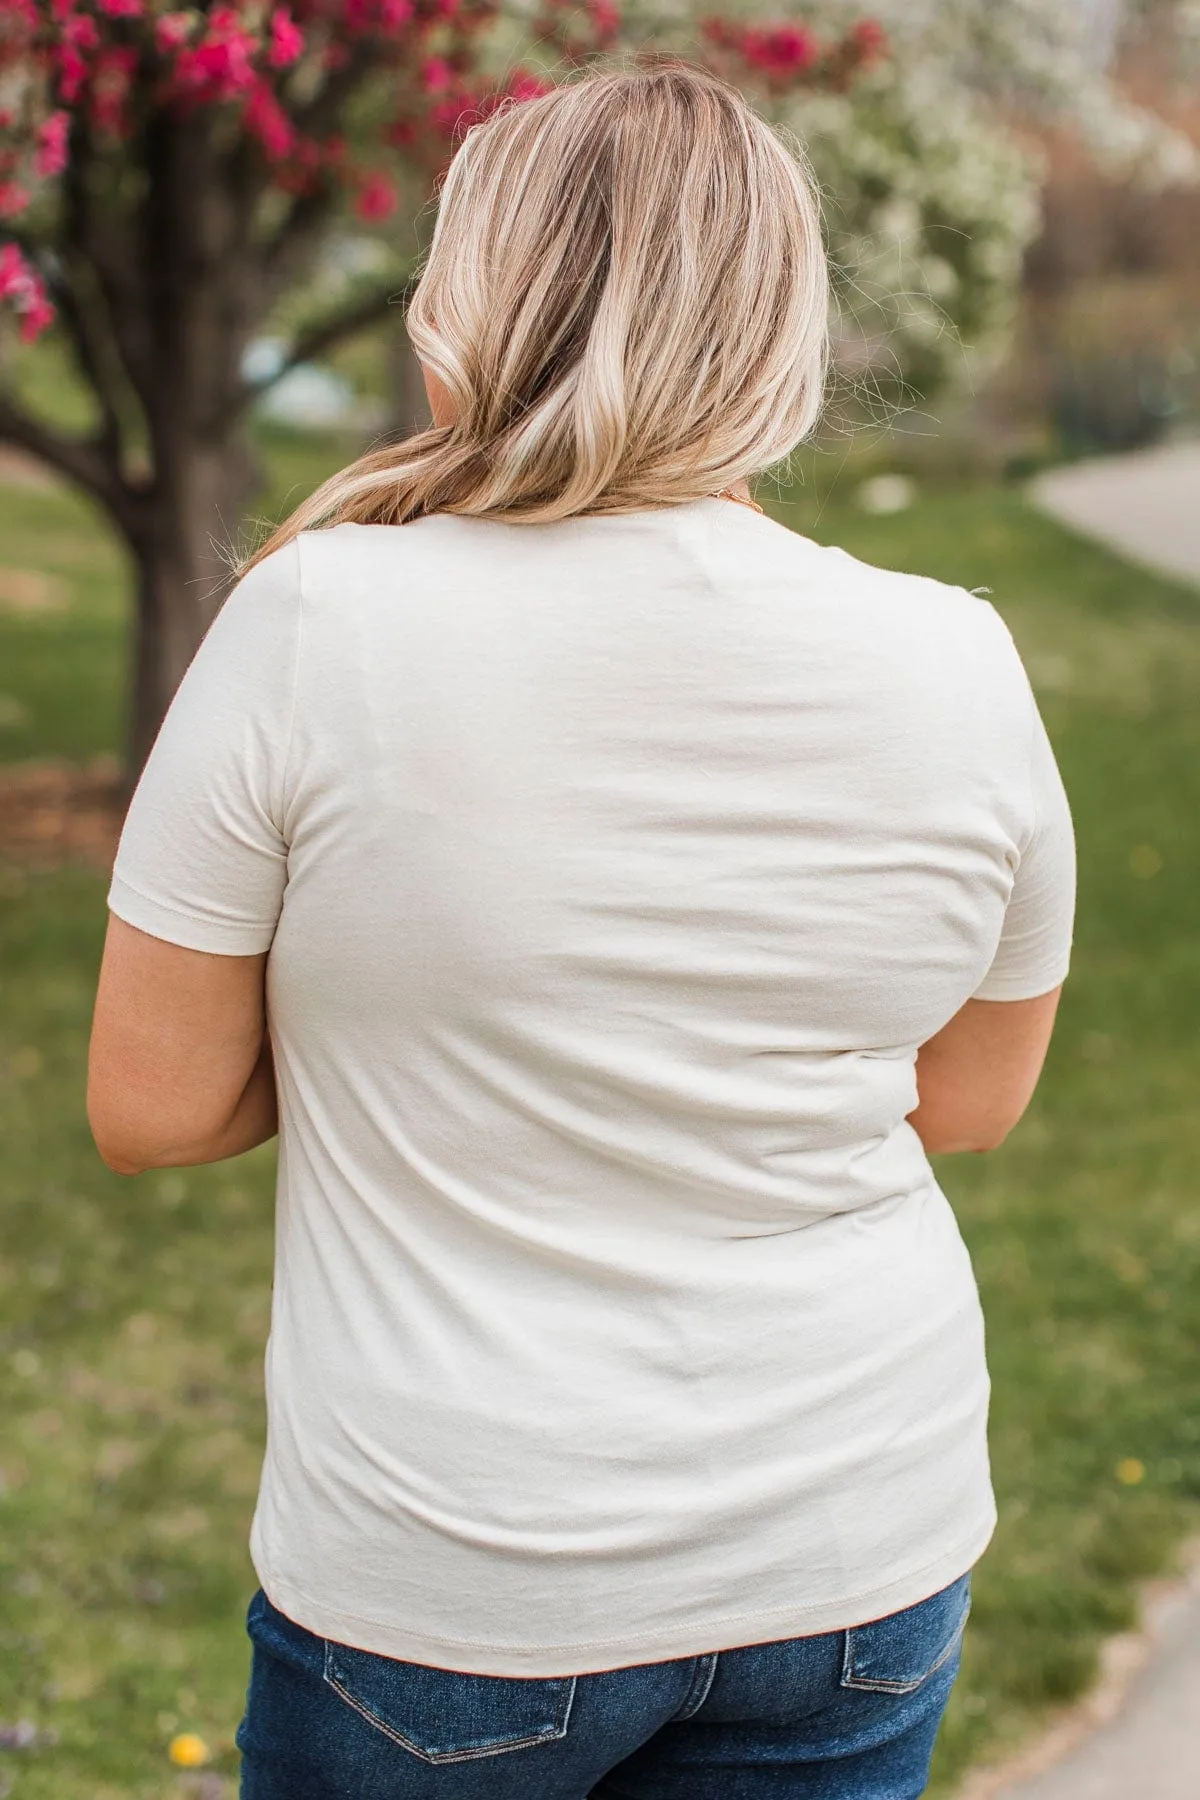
(1034, 952)
(202, 860)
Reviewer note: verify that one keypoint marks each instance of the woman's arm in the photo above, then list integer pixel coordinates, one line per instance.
(977, 1076)
(180, 1067)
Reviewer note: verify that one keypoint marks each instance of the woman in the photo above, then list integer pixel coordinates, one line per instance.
(621, 894)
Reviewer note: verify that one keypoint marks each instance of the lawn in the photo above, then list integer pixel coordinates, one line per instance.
(134, 1312)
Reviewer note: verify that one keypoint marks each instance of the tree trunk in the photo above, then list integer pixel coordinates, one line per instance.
(183, 554)
(199, 284)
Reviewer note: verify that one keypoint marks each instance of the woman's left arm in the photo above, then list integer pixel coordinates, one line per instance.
(180, 1068)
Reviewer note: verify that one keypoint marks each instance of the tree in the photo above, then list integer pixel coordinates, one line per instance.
(168, 176)
(933, 168)
(171, 175)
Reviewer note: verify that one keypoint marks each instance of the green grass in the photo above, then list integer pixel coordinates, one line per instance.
(62, 673)
(135, 1311)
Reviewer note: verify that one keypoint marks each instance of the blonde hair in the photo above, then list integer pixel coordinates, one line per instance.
(626, 297)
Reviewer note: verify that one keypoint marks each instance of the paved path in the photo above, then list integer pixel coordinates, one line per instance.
(1146, 505)
(1138, 1736)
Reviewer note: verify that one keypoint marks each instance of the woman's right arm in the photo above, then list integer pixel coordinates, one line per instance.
(977, 1076)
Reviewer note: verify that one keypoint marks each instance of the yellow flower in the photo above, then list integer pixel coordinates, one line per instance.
(1145, 861)
(1130, 1471)
(187, 1750)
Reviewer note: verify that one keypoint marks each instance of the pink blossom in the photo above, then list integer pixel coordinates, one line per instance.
(50, 158)
(221, 65)
(13, 199)
(172, 30)
(869, 39)
(376, 197)
(287, 40)
(524, 86)
(606, 17)
(361, 16)
(77, 35)
(266, 121)
(35, 316)
(782, 49)
(81, 32)
(71, 72)
(15, 273)
(437, 75)
(25, 288)
(121, 9)
(447, 115)
(112, 78)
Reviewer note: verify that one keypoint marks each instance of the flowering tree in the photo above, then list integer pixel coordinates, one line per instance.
(169, 173)
(932, 167)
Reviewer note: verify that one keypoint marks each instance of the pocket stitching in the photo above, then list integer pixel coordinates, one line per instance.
(476, 1752)
(880, 1685)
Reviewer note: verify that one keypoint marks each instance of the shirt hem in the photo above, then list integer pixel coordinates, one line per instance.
(541, 1660)
(218, 937)
(1018, 987)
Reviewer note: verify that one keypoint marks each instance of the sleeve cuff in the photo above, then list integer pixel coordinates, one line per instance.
(191, 931)
(998, 986)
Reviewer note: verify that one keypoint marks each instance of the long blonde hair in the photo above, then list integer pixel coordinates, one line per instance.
(626, 297)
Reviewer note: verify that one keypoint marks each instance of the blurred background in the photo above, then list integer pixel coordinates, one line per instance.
(209, 219)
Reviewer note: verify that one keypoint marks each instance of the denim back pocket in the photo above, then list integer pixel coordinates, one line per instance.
(895, 1655)
(443, 1716)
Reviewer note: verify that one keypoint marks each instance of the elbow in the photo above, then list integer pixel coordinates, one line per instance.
(121, 1165)
(962, 1147)
(987, 1141)
(952, 1138)
(118, 1147)
(115, 1152)
(130, 1147)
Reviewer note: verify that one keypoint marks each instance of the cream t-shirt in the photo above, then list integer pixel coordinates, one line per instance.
(612, 872)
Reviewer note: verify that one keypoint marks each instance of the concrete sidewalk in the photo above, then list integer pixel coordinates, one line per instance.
(1137, 1736)
(1145, 505)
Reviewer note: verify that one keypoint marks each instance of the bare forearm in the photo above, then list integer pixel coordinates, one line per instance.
(977, 1075)
(254, 1120)
(945, 1137)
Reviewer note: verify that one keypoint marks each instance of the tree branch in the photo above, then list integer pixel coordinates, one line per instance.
(95, 361)
(82, 460)
(324, 334)
(304, 225)
(80, 329)
(32, 248)
(102, 240)
(309, 216)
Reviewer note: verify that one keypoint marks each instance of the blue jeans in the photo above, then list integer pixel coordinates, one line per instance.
(847, 1715)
